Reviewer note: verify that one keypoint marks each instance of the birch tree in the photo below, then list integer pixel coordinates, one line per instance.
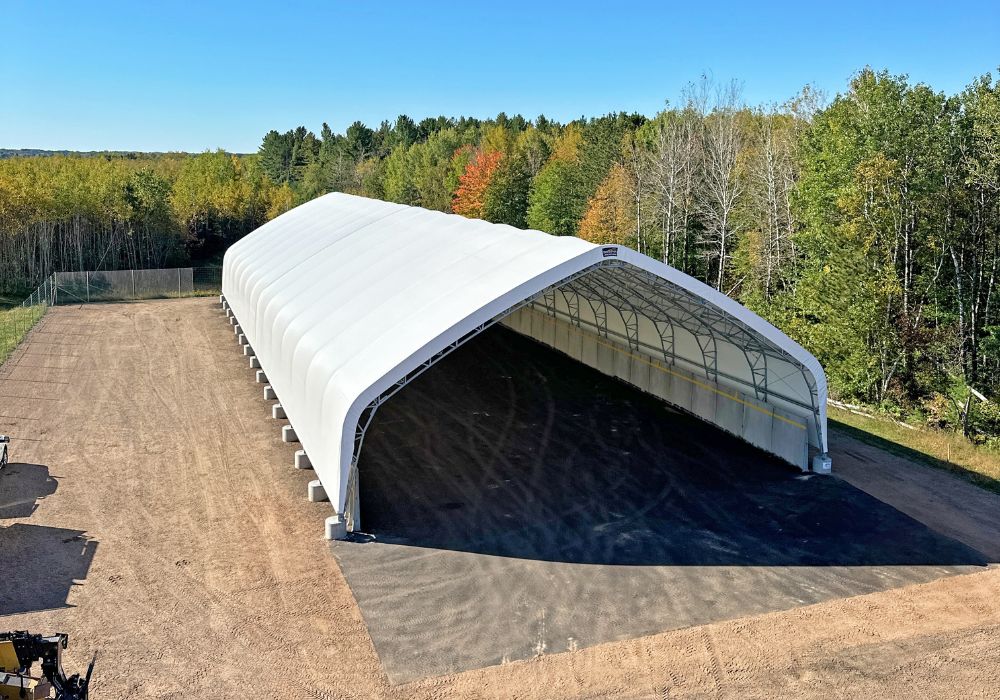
(720, 185)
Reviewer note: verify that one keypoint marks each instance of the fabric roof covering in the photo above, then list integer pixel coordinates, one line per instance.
(344, 297)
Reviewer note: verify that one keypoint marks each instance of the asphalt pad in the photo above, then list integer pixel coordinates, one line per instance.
(517, 503)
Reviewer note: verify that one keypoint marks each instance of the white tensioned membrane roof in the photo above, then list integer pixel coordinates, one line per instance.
(344, 297)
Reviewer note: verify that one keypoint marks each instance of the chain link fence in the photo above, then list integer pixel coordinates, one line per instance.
(120, 285)
(102, 285)
(207, 280)
(17, 321)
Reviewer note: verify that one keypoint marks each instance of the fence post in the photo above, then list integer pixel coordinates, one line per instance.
(178, 282)
(133, 284)
(87, 273)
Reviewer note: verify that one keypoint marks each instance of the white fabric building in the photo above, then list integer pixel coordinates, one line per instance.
(346, 299)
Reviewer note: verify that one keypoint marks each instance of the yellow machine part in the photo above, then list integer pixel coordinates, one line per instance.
(8, 658)
(14, 686)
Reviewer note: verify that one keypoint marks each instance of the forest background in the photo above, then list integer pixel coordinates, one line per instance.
(867, 227)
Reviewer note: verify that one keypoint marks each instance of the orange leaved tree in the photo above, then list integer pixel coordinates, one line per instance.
(472, 184)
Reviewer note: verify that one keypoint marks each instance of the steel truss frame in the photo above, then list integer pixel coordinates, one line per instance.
(668, 305)
(632, 293)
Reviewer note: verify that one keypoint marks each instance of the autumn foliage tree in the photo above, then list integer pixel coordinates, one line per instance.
(474, 182)
(610, 216)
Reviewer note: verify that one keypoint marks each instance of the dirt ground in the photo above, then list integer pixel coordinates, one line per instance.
(152, 512)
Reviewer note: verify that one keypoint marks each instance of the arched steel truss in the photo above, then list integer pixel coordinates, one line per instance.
(631, 293)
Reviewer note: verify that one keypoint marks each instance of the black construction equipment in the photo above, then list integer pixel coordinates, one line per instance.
(18, 653)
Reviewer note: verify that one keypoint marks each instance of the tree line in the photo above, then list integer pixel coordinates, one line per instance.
(866, 227)
(112, 211)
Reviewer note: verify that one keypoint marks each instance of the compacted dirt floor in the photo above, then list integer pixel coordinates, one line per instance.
(548, 543)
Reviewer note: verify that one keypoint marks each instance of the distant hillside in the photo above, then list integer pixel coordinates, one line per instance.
(34, 152)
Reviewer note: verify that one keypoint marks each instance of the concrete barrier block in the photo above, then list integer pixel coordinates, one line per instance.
(639, 373)
(563, 336)
(336, 528)
(588, 350)
(623, 365)
(254, 362)
(316, 491)
(269, 394)
(261, 377)
(788, 439)
(549, 331)
(606, 359)
(535, 321)
(277, 411)
(519, 321)
(575, 343)
(660, 380)
(758, 425)
(703, 403)
(729, 415)
(288, 434)
(680, 391)
(822, 464)
(302, 460)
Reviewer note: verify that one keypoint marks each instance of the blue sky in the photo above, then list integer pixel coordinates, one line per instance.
(191, 76)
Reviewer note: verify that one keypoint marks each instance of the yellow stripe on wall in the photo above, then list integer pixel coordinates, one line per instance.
(667, 370)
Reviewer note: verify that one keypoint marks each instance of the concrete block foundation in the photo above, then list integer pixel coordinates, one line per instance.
(316, 491)
(336, 528)
(261, 377)
(288, 434)
(302, 460)
(822, 464)
(248, 351)
(254, 362)
(269, 394)
(277, 411)
(242, 339)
